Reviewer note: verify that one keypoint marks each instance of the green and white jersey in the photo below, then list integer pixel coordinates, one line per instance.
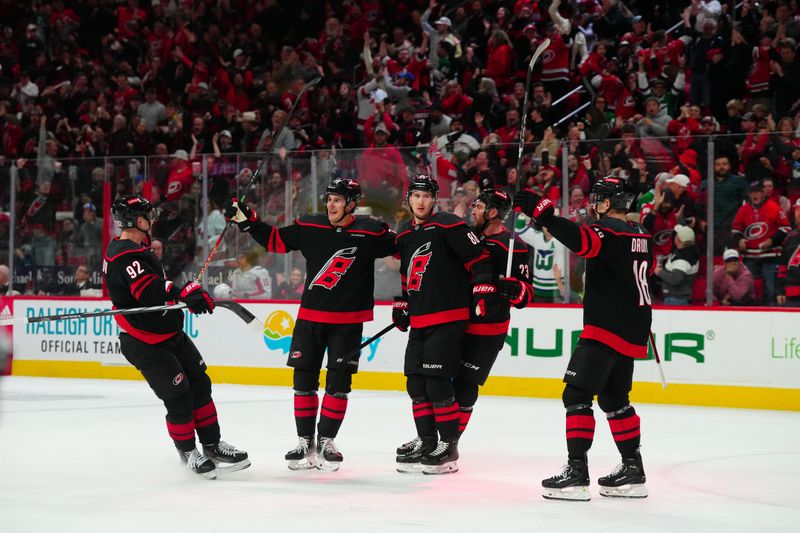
(545, 254)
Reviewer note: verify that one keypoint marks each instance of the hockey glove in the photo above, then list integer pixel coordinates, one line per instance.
(525, 200)
(241, 214)
(511, 289)
(400, 315)
(485, 300)
(543, 211)
(196, 298)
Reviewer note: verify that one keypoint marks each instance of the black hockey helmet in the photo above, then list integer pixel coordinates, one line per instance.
(615, 189)
(423, 182)
(495, 198)
(126, 209)
(349, 189)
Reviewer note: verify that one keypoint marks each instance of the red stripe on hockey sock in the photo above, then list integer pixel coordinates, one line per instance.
(333, 407)
(423, 405)
(306, 401)
(463, 419)
(619, 425)
(580, 422)
(625, 428)
(423, 412)
(205, 415)
(445, 414)
(580, 434)
(183, 431)
(627, 435)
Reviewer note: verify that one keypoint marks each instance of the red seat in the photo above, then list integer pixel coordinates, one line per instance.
(699, 290)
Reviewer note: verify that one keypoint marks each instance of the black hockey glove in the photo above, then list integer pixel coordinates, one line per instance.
(241, 214)
(197, 299)
(543, 212)
(511, 289)
(400, 315)
(525, 200)
(485, 300)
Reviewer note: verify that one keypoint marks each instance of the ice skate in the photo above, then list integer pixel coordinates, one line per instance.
(442, 460)
(410, 454)
(199, 463)
(227, 458)
(329, 458)
(303, 456)
(572, 483)
(626, 480)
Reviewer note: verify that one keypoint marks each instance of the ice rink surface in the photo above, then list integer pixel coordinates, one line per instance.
(94, 456)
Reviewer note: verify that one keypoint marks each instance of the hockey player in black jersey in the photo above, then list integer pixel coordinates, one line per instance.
(486, 334)
(340, 250)
(157, 346)
(441, 263)
(617, 315)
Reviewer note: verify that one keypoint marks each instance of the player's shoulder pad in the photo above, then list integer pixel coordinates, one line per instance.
(369, 224)
(121, 247)
(313, 219)
(404, 227)
(446, 220)
(501, 240)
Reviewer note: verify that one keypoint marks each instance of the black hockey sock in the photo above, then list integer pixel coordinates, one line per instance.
(446, 414)
(464, 414)
(580, 430)
(305, 412)
(332, 414)
(423, 417)
(624, 424)
(206, 423)
(181, 431)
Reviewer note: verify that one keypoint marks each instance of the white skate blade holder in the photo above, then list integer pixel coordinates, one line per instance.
(225, 468)
(626, 491)
(409, 468)
(576, 494)
(446, 468)
(306, 463)
(328, 466)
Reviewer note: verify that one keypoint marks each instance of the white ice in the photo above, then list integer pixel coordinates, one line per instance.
(93, 456)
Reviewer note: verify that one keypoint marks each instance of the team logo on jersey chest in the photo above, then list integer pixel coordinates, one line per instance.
(332, 271)
(417, 267)
(662, 237)
(756, 230)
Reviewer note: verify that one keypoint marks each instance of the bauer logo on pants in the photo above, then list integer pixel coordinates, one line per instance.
(177, 380)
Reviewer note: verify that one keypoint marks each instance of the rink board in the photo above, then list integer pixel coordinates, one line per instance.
(711, 357)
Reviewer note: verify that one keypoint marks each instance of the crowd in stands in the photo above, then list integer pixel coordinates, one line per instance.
(674, 95)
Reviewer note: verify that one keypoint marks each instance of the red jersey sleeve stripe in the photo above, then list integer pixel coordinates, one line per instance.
(590, 243)
(138, 286)
(275, 243)
(484, 255)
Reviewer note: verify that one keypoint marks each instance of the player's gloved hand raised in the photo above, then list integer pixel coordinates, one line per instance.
(511, 289)
(485, 299)
(241, 214)
(400, 315)
(543, 211)
(196, 298)
(525, 201)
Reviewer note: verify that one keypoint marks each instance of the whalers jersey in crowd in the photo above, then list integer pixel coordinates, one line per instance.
(619, 262)
(497, 246)
(436, 260)
(340, 263)
(136, 278)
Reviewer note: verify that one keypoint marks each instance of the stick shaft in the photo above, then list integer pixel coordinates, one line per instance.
(658, 361)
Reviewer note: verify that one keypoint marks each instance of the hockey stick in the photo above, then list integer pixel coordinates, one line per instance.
(658, 362)
(235, 307)
(256, 174)
(539, 51)
(345, 360)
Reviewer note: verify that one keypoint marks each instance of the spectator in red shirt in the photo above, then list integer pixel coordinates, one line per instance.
(180, 178)
(759, 228)
(732, 281)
